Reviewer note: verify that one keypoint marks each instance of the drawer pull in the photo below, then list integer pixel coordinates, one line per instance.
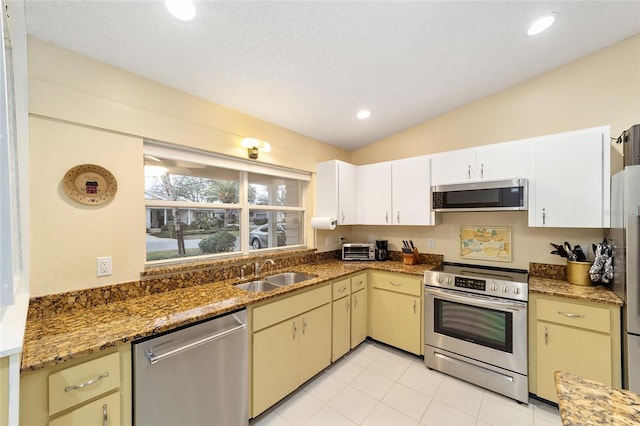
(395, 284)
(359, 283)
(342, 289)
(570, 315)
(88, 383)
(105, 417)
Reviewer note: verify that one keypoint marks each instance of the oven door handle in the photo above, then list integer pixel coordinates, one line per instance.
(476, 300)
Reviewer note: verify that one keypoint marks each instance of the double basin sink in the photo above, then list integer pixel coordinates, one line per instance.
(275, 281)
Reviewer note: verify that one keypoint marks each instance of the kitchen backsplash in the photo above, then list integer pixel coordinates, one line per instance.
(166, 278)
(546, 270)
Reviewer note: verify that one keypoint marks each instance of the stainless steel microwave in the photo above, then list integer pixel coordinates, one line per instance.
(359, 251)
(496, 195)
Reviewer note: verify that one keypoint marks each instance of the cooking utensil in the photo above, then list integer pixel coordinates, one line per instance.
(580, 256)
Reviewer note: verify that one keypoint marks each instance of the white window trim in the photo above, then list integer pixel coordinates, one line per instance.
(244, 167)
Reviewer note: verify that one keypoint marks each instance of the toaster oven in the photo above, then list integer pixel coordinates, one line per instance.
(359, 251)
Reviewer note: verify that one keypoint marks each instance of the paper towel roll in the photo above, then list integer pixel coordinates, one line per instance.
(323, 223)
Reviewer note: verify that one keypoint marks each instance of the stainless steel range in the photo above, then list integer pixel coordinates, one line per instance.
(476, 326)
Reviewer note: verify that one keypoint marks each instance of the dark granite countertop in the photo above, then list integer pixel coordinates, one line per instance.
(56, 338)
(589, 293)
(585, 402)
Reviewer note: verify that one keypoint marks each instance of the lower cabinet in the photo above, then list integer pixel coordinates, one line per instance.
(291, 343)
(95, 390)
(349, 314)
(572, 336)
(395, 315)
(341, 318)
(101, 412)
(359, 309)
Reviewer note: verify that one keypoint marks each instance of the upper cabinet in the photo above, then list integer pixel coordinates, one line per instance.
(337, 191)
(491, 162)
(570, 187)
(395, 192)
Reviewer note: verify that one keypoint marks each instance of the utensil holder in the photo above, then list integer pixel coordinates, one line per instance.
(412, 258)
(578, 273)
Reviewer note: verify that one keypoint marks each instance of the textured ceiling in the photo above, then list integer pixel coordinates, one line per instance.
(310, 65)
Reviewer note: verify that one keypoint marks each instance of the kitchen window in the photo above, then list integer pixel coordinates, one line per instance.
(201, 204)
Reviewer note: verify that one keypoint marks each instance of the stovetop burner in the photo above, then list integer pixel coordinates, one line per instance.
(492, 281)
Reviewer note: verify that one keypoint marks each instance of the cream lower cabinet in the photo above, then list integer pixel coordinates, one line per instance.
(291, 343)
(577, 337)
(341, 318)
(349, 314)
(395, 315)
(95, 390)
(359, 309)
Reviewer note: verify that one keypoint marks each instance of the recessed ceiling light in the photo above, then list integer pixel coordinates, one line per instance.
(541, 25)
(184, 10)
(363, 114)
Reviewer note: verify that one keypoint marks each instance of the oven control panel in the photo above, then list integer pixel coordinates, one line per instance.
(490, 287)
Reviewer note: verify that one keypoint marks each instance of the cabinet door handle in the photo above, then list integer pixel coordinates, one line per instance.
(105, 417)
(395, 284)
(386, 217)
(570, 315)
(355, 301)
(544, 216)
(295, 330)
(415, 307)
(342, 217)
(87, 383)
(304, 325)
(469, 172)
(546, 335)
(398, 217)
(347, 306)
(482, 170)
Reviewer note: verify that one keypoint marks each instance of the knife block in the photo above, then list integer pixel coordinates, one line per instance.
(412, 258)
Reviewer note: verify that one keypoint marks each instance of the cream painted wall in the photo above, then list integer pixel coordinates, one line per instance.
(83, 111)
(67, 237)
(600, 89)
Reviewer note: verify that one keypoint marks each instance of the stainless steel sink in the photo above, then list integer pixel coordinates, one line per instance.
(257, 286)
(288, 278)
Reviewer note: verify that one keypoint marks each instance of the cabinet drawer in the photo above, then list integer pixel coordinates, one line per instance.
(93, 413)
(399, 283)
(280, 310)
(574, 314)
(341, 288)
(358, 282)
(82, 382)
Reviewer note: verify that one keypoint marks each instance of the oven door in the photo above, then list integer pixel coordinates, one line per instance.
(487, 329)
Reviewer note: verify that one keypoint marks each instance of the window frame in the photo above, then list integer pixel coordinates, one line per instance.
(244, 168)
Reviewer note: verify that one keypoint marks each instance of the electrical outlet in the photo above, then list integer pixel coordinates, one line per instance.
(431, 243)
(104, 266)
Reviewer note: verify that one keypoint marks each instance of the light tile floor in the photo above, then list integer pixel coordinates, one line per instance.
(378, 385)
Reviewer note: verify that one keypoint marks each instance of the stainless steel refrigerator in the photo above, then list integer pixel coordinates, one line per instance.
(625, 236)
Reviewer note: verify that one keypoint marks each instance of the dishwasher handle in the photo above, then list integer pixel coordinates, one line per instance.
(153, 358)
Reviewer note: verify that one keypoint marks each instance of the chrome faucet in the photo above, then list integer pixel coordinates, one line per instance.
(257, 267)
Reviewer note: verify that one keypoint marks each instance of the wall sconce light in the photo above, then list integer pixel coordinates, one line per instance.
(254, 146)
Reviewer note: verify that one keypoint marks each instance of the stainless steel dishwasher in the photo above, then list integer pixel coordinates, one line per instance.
(193, 376)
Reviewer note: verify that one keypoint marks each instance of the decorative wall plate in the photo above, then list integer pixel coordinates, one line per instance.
(90, 184)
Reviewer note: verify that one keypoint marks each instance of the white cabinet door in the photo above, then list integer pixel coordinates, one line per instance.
(411, 189)
(374, 194)
(453, 166)
(571, 180)
(505, 160)
(337, 190)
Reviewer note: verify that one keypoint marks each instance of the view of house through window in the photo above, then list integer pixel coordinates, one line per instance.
(197, 208)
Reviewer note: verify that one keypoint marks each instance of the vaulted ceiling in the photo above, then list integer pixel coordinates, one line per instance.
(309, 66)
